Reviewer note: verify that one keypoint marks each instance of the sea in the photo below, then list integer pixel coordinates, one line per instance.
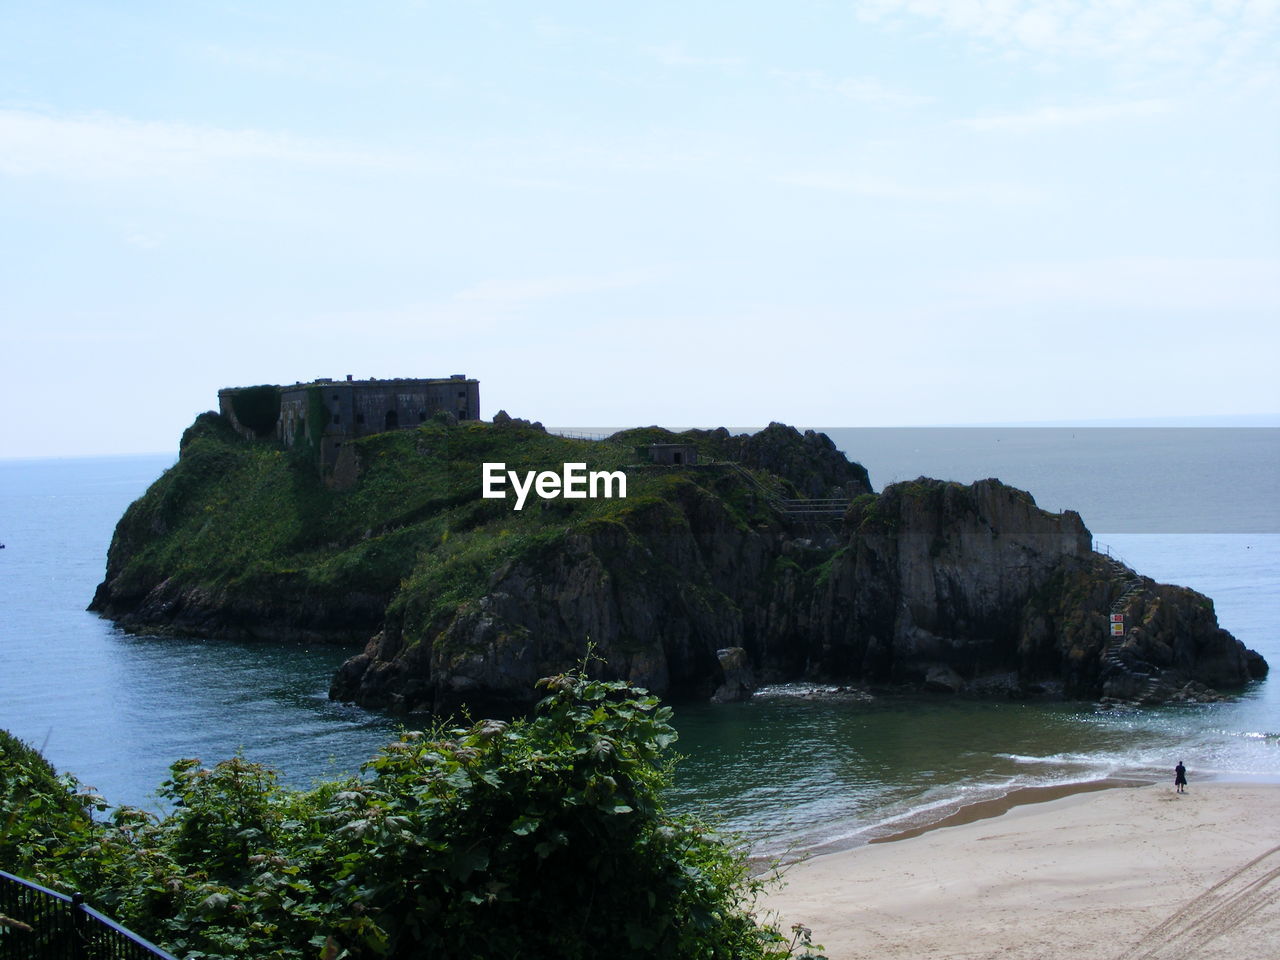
(800, 766)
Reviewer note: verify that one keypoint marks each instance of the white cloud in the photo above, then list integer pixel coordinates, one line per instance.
(674, 55)
(886, 188)
(511, 292)
(1221, 287)
(1229, 40)
(558, 32)
(497, 308)
(1054, 116)
(144, 240)
(310, 65)
(104, 147)
(866, 90)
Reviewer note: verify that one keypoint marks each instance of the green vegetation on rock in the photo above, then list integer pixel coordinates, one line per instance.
(258, 408)
(40, 812)
(253, 521)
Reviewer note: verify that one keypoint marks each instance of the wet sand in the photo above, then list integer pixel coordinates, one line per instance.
(1046, 873)
(996, 806)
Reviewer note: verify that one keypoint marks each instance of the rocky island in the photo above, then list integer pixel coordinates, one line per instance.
(731, 561)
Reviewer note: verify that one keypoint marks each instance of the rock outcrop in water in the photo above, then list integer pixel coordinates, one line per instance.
(696, 585)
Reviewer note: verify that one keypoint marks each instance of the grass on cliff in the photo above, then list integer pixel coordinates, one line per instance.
(545, 837)
(251, 518)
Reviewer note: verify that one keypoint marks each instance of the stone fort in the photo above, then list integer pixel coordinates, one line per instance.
(328, 413)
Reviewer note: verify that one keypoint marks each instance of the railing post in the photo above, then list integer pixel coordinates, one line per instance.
(78, 925)
(63, 927)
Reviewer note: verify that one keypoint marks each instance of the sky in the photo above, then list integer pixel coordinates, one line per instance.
(860, 213)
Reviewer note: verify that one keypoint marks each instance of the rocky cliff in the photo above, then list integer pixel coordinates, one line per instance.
(695, 586)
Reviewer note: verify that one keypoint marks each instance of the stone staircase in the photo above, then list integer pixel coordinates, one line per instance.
(830, 509)
(1131, 584)
(819, 510)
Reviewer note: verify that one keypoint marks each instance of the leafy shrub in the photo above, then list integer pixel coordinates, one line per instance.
(40, 812)
(544, 837)
(257, 408)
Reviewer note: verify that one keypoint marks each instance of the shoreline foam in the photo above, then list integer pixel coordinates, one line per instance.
(1018, 796)
(1086, 872)
(950, 811)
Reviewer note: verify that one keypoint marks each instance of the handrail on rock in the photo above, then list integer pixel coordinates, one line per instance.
(37, 923)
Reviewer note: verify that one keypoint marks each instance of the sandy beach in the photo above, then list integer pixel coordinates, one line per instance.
(1137, 873)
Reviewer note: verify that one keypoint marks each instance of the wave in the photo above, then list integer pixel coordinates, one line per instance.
(922, 812)
(1060, 759)
(810, 691)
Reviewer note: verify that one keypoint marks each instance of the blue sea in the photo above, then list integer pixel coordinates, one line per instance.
(794, 768)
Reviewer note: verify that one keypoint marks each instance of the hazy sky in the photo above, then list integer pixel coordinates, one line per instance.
(857, 213)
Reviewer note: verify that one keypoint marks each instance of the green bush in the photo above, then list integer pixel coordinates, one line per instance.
(257, 408)
(544, 837)
(40, 812)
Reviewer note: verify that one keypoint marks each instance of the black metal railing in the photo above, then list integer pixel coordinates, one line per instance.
(37, 923)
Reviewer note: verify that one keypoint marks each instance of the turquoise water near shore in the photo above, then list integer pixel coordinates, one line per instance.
(794, 767)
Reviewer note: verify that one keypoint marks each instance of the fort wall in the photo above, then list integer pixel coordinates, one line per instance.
(328, 413)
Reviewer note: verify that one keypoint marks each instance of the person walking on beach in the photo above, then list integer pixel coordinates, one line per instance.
(1180, 777)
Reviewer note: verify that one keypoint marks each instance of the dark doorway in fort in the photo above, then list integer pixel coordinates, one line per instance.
(677, 457)
(392, 420)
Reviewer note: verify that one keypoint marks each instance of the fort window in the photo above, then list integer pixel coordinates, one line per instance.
(462, 394)
(336, 418)
(359, 418)
(422, 416)
(392, 420)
